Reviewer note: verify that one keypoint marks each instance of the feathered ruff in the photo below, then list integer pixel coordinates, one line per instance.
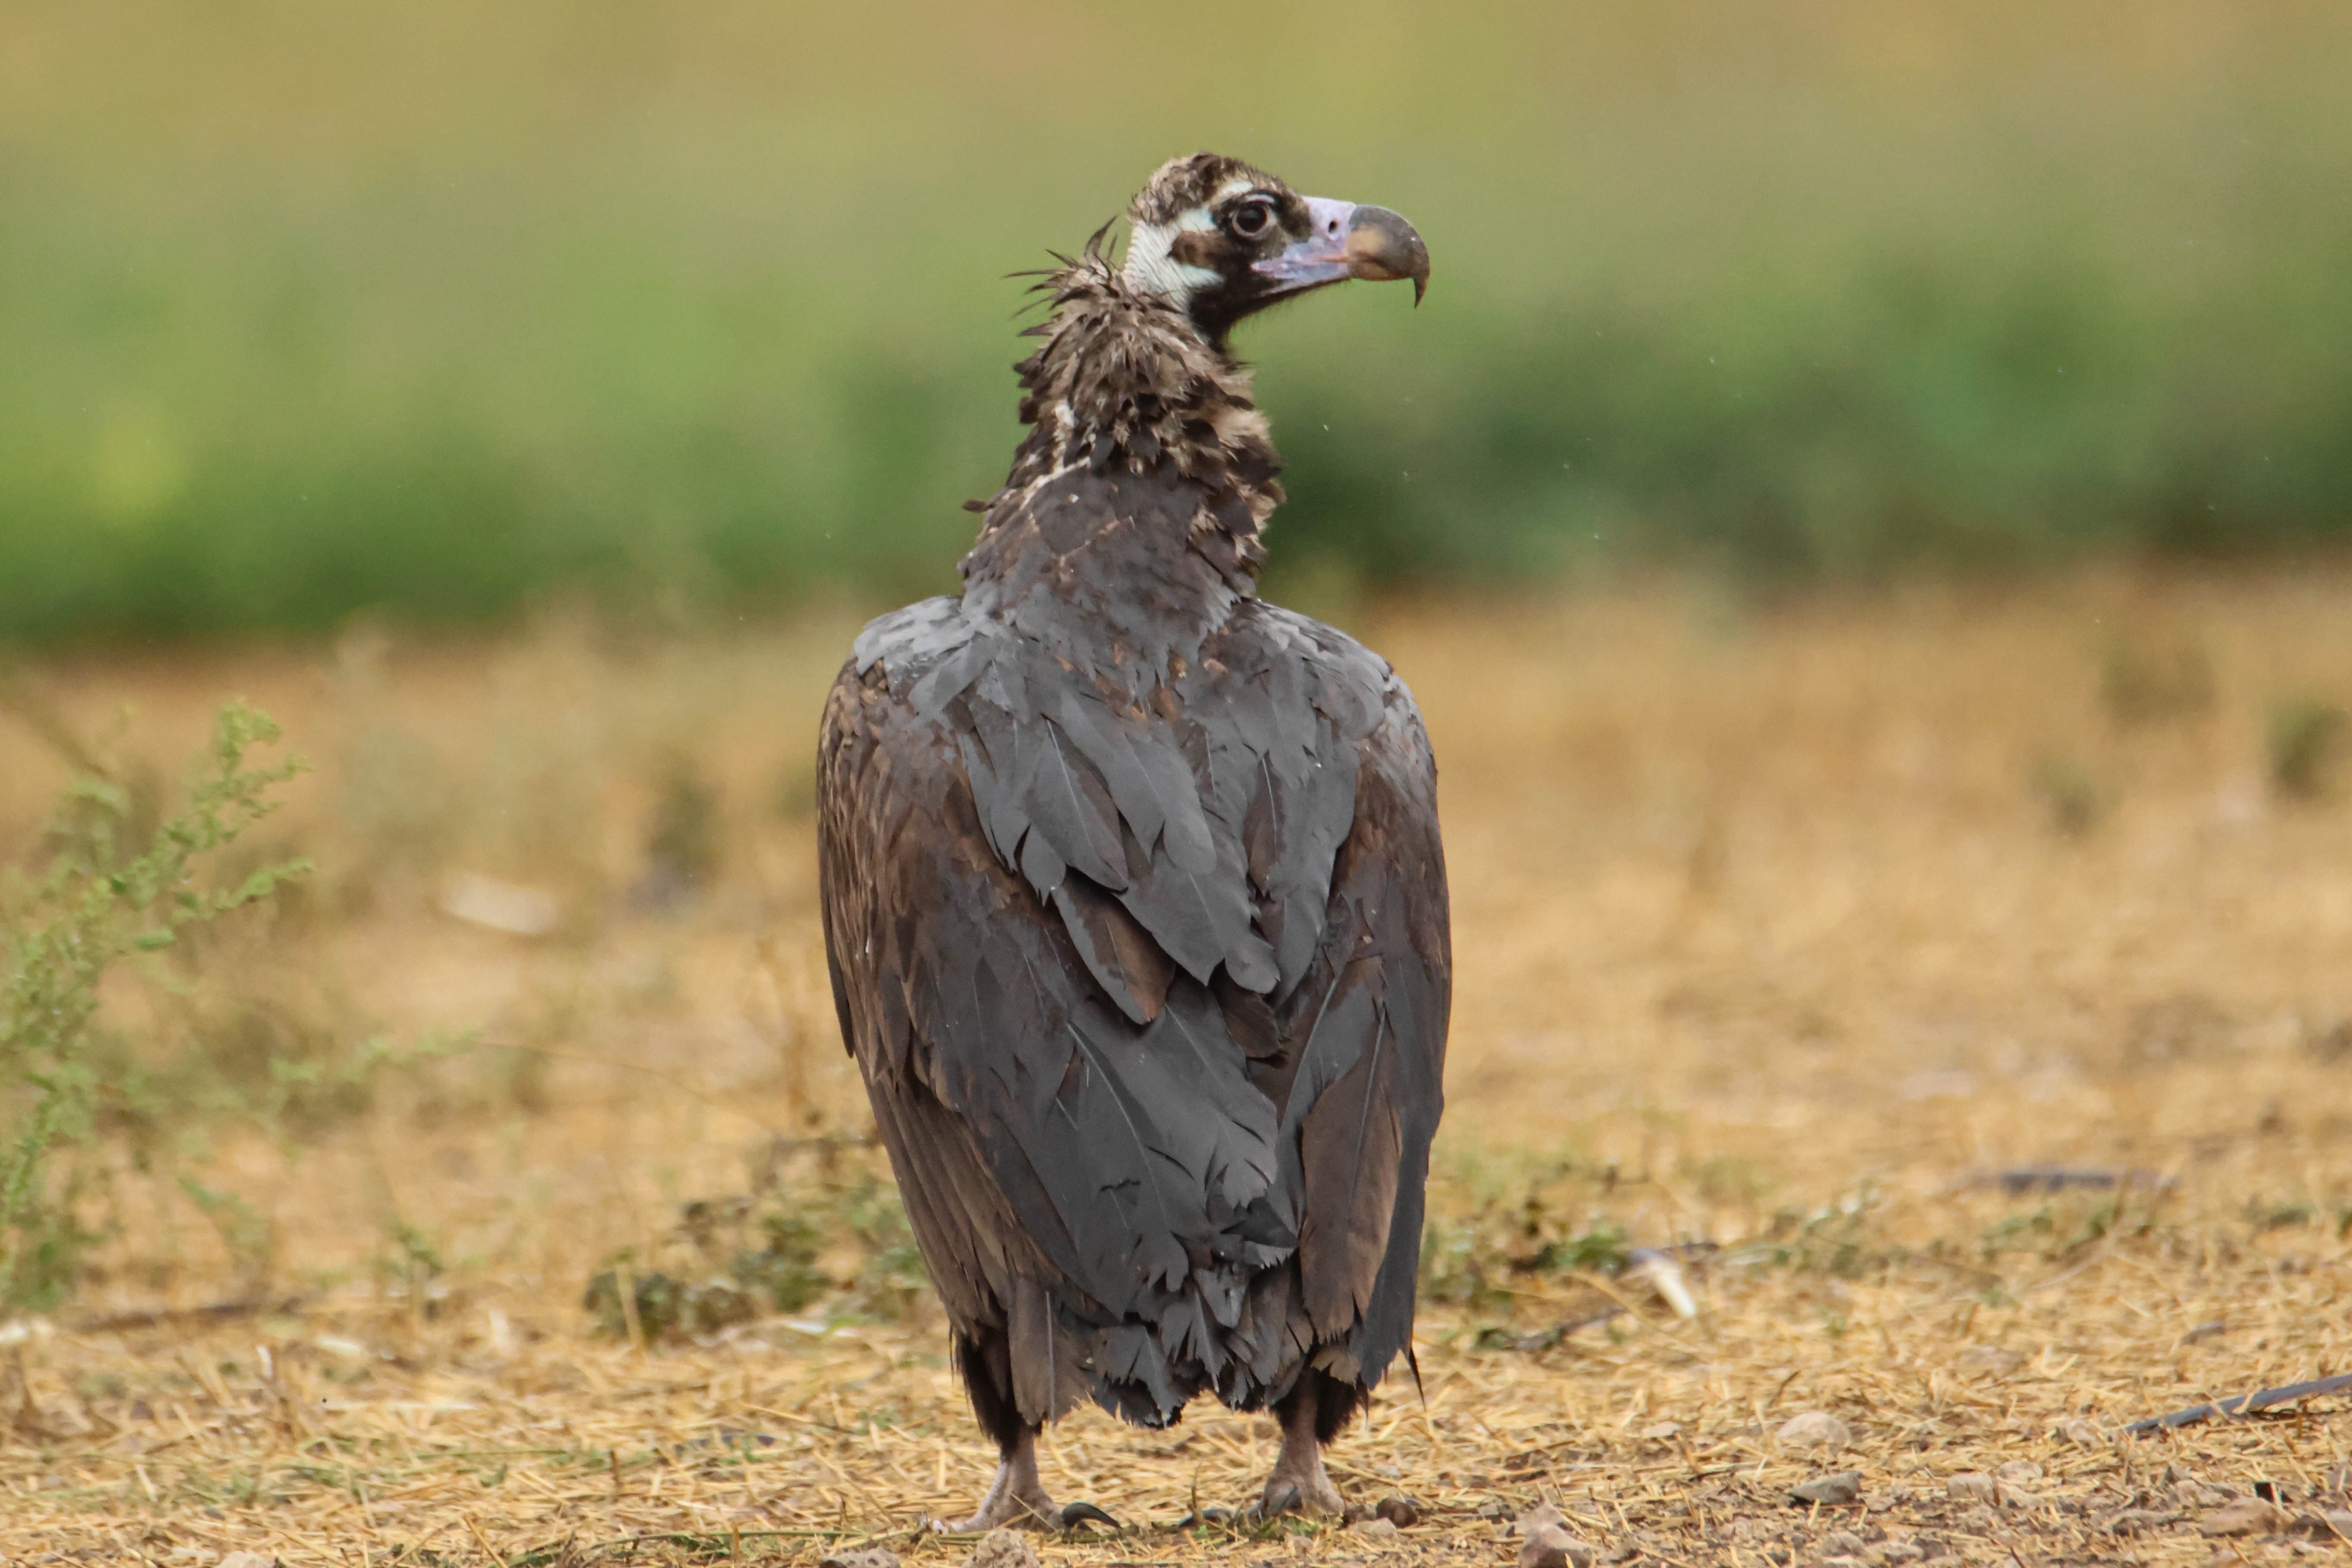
(1124, 382)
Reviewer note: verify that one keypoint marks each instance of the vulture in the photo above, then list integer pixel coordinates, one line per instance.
(1134, 902)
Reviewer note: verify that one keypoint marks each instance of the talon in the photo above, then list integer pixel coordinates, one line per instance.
(1075, 1513)
(1286, 1501)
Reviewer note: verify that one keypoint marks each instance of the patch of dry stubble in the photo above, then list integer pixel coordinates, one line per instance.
(1773, 931)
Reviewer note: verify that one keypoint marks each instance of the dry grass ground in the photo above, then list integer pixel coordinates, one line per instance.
(1784, 929)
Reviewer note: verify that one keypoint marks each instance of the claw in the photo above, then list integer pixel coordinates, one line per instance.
(1076, 1513)
(1287, 1502)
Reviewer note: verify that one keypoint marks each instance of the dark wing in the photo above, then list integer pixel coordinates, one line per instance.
(1365, 1037)
(1101, 1190)
(1127, 1034)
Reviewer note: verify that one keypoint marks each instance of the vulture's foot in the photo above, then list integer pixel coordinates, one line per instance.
(1299, 1483)
(1289, 1491)
(1311, 1416)
(1012, 1507)
(1018, 1499)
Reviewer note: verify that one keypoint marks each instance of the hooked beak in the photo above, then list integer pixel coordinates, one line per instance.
(1349, 241)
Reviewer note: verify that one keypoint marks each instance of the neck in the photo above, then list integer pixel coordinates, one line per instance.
(1144, 484)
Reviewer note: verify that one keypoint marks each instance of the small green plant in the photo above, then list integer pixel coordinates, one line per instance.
(665, 1306)
(1838, 1238)
(1494, 1219)
(1599, 1247)
(1454, 1265)
(110, 896)
(2287, 1216)
(2059, 1230)
(891, 1277)
(2307, 738)
(841, 1240)
(2018, 1232)
(245, 1232)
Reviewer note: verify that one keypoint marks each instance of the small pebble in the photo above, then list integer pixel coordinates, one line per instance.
(2137, 1520)
(861, 1557)
(1003, 1549)
(1843, 1487)
(1546, 1542)
(1402, 1511)
(1542, 1516)
(1842, 1543)
(2247, 1516)
(2081, 1433)
(1814, 1429)
(2017, 1472)
(1374, 1527)
(1557, 1550)
(1971, 1485)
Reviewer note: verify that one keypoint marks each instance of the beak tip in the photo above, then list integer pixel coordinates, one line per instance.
(1383, 246)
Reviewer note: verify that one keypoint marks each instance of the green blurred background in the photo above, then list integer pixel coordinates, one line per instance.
(307, 307)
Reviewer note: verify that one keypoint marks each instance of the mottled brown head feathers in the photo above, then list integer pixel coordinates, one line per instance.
(1184, 184)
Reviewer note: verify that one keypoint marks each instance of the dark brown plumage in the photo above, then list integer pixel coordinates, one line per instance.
(1133, 895)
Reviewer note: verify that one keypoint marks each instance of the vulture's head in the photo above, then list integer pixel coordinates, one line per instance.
(1219, 241)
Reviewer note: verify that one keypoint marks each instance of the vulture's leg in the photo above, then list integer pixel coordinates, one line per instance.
(1018, 1498)
(1311, 1414)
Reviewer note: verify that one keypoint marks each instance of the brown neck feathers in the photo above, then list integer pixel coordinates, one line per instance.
(1126, 393)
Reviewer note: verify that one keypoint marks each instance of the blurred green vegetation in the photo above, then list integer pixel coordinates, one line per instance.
(307, 309)
(118, 888)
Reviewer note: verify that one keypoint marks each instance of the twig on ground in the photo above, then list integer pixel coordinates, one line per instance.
(2242, 1405)
(211, 1312)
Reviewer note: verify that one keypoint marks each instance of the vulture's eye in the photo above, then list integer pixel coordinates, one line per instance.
(1251, 219)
